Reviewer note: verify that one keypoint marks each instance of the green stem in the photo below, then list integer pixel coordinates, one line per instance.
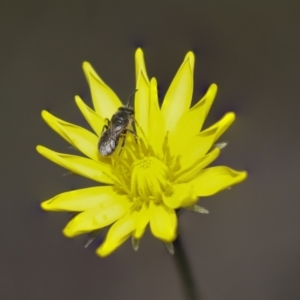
(184, 269)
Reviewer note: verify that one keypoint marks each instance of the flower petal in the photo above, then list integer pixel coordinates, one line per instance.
(79, 165)
(142, 95)
(222, 125)
(182, 195)
(80, 138)
(197, 147)
(105, 101)
(157, 130)
(142, 220)
(98, 217)
(191, 172)
(117, 235)
(179, 95)
(191, 122)
(163, 222)
(200, 144)
(212, 180)
(140, 64)
(82, 199)
(95, 121)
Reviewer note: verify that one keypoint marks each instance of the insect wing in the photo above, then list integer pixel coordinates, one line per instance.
(108, 141)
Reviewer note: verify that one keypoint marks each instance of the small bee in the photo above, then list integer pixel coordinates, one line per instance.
(115, 129)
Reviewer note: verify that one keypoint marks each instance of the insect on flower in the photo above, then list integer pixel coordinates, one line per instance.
(117, 128)
(163, 167)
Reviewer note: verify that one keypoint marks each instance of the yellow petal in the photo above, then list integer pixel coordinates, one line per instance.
(188, 173)
(222, 125)
(197, 147)
(179, 95)
(191, 122)
(80, 138)
(212, 180)
(200, 144)
(105, 101)
(142, 220)
(79, 165)
(95, 121)
(117, 235)
(141, 105)
(163, 222)
(98, 217)
(157, 129)
(140, 64)
(182, 195)
(82, 199)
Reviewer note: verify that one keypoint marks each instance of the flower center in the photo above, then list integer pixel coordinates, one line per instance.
(148, 177)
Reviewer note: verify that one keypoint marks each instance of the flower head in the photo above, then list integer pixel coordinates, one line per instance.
(160, 169)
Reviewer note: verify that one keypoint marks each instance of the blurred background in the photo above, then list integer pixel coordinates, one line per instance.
(248, 246)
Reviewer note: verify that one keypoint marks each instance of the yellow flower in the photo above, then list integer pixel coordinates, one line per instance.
(160, 171)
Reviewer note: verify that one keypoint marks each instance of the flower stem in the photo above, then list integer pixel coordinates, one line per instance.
(184, 269)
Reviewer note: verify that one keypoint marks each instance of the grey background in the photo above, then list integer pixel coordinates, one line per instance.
(249, 245)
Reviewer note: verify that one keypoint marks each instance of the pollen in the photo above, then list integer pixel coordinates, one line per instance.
(144, 163)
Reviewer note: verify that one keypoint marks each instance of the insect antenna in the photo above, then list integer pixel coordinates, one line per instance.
(130, 98)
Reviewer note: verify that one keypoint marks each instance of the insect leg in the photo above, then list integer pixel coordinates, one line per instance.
(105, 126)
(134, 124)
(132, 132)
(123, 136)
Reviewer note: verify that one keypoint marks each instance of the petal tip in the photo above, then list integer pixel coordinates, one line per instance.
(86, 66)
(216, 151)
(153, 81)
(67, 232)
(43, 151)
(45, 114)
(231, 115)
(190, 57)
(213, 87)
(77, 99)
(45, 205)
(79, 102)
(40, 149)
(102, 252)
(89, 71)
(139, 52)
(243, 175)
